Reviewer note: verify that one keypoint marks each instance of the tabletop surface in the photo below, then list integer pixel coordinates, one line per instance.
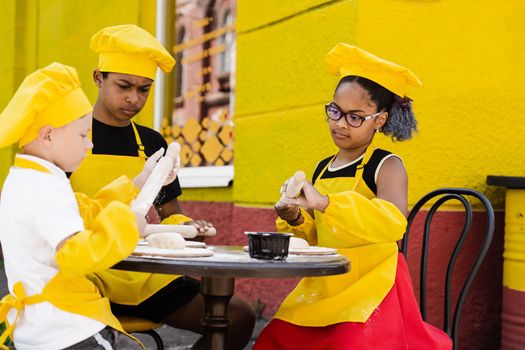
(232, 261)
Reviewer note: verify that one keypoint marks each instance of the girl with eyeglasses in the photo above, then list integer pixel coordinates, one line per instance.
(357, 203)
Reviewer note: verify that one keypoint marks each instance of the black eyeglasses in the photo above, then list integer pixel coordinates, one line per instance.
(333, 112)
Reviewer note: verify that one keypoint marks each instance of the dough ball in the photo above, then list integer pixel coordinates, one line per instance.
(298, 243)
(166, 240)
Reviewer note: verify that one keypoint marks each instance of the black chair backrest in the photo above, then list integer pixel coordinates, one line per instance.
(446, 194)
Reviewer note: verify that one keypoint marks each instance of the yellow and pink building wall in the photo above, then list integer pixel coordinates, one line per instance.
(469, 55)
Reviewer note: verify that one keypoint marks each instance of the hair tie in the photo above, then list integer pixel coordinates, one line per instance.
(404, 102)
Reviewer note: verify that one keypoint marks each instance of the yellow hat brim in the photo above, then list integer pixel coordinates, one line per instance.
(345, 59)
(116, 62)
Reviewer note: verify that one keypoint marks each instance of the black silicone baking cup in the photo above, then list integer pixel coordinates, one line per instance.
(268, 245)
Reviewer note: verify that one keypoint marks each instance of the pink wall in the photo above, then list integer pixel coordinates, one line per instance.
(480, 322)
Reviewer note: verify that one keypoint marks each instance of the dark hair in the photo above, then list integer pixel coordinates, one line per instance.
(401, 122)
(104, 75)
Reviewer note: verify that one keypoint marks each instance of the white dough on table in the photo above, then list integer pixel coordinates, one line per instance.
(172, 253)
(298, 243)
(166, 240)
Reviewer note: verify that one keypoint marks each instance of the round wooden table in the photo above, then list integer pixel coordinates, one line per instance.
(218, 274)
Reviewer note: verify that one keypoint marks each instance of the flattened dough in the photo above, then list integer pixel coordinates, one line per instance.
(298, 243)
(166, 240)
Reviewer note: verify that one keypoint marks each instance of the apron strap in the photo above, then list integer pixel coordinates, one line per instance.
(321, 173)
(17, 301)
(29, 164)
(140, 146)
(361, 167)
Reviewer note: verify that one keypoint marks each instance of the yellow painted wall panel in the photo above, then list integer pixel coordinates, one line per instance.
(269, 148)
(7, 71)
(282, 66)
(470, 59)
(254, 14)
(66, 27)
(35, 33)
(7, 59)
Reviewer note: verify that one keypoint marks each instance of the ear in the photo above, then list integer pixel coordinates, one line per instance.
(97, 78)
(381, 120)
(45, 136)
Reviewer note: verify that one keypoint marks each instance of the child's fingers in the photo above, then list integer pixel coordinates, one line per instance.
(157, 155)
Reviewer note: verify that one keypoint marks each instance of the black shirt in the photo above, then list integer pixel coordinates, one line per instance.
(349, 171)
(120, 141)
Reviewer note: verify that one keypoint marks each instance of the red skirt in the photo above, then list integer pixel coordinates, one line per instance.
(395, 324)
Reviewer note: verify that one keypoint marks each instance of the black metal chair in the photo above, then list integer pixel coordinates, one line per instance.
(443, 195)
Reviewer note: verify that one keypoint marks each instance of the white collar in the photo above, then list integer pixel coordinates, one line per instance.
(330, 168)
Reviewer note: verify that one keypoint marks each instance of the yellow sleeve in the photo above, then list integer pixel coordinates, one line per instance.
(176, 219)
(306, 230)
(371, 220)
(111, 238)
(121, 189)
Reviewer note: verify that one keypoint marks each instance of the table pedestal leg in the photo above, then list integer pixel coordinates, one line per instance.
(217, 292)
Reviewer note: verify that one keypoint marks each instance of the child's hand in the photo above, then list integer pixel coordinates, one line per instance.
(173, 173)
(289, 212)
(310, 198)
(153, 217)
(202, 226)
(150, 164)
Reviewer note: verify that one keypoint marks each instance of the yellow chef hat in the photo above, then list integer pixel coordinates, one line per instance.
(129, 49)
(48, 96)
(345, 59)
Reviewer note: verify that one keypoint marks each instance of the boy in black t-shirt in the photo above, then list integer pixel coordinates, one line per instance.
(128, 61)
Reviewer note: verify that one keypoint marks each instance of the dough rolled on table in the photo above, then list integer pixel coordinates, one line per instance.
(166, 240)
(298, 243)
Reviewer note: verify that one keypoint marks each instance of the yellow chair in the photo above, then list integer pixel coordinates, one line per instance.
(133, 324)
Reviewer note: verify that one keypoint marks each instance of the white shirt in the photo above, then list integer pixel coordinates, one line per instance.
(37, 211)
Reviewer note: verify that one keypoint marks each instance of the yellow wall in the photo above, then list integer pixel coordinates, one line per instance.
(469, 57)
(7, 70)
(35, 33)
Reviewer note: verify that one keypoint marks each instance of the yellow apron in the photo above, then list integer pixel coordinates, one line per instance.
(73, 294)
(351, 297)
(96, 171)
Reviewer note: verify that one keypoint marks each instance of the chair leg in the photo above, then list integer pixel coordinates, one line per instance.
(156, 337)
